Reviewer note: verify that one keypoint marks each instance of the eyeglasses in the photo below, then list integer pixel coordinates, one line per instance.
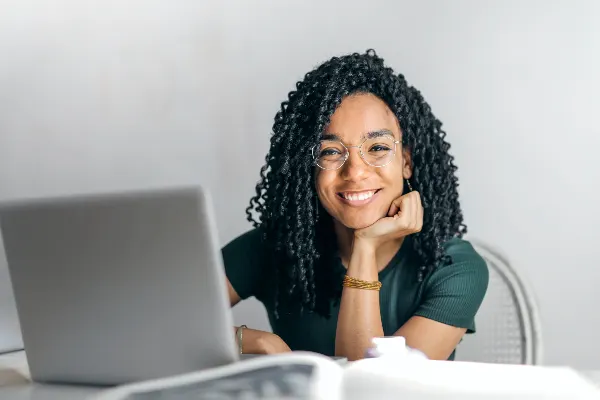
(376, 151)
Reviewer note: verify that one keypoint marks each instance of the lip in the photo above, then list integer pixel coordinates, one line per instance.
(358, 203)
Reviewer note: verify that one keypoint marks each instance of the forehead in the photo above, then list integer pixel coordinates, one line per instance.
(360, 114)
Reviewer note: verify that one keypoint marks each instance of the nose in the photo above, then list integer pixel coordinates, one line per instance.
(354, 169)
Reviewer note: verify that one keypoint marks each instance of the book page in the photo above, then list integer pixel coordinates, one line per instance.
(381, 378)
(286, 382)
(294, 376)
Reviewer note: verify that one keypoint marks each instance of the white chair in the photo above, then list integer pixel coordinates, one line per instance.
(508, 323)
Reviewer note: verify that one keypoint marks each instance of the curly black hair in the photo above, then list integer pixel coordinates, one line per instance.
(298, 231)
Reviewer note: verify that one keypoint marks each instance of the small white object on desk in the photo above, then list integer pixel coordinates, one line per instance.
(393, 346)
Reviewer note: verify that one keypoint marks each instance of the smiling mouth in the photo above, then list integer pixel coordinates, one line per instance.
(361, 197)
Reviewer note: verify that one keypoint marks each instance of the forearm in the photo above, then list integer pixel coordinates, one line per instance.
(260, 342)
(359, 318)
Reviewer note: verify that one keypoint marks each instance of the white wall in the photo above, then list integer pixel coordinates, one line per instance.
(513, 81)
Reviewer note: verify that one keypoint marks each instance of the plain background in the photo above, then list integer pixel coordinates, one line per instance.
(104, 95)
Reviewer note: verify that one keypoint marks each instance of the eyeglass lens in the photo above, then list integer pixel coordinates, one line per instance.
(331, 154)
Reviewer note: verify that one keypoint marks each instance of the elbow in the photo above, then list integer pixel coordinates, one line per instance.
(357, 352)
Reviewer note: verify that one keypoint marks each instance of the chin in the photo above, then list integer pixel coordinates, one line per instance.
(353, 217)
(358, 223)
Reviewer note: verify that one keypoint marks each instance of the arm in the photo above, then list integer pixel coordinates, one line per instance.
(453, 295)
(255, 341)
(359, 318)
(435, 339)
(244, 272)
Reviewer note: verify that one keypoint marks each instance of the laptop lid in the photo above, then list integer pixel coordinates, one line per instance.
(119, 287)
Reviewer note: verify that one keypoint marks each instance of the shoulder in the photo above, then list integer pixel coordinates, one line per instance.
(466, 272)
(462, 251)
(466, 264)
(245, 259)
(454, 292)
(248, 240)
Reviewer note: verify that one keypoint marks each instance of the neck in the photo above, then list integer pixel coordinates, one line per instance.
(345, 241)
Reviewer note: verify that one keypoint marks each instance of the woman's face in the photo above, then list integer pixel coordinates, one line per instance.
(358, 194)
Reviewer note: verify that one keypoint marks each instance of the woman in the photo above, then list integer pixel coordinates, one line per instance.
(358, 229)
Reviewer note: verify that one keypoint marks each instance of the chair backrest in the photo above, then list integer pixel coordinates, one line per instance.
(508, 324)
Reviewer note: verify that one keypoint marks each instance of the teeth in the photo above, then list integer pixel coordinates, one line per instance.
(358, 196)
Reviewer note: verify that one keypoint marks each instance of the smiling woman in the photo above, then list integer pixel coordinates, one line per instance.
(357, 224)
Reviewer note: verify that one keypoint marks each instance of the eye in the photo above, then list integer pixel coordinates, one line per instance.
(330, 149)
(329, 152)
(380, 147)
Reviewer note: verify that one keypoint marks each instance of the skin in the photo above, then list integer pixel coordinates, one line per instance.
(369, 234)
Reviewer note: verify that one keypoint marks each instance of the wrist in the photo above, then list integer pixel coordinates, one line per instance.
(366, 246)
(262, 342)
(268, 343)
(363, 261)
(250, 342)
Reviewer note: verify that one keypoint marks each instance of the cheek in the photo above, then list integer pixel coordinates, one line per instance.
(323, 180)
(392, 178)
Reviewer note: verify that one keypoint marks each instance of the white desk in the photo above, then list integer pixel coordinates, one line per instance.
(15, 382)
(593, 376)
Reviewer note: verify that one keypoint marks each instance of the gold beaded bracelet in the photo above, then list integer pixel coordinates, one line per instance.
(360, 284)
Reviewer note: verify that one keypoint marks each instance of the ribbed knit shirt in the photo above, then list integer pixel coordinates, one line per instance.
(450, 293)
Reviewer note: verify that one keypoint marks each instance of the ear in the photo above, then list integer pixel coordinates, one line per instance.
(406, 164)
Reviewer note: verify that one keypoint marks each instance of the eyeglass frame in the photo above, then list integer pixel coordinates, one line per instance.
(362, 156)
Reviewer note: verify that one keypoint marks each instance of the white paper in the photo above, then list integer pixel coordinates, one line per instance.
(384, 378)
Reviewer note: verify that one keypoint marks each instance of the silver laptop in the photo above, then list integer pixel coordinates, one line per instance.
(118, 287)
(10, 332)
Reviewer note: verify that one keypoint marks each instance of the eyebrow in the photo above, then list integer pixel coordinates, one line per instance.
(380, 133)
(369, 135)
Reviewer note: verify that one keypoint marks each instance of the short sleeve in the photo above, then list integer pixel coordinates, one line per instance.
(453, 293)
(244, 261)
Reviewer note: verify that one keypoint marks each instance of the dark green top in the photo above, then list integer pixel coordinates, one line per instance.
(451, 294)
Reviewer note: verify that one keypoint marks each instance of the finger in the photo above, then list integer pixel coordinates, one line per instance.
(419, 208)
(393, 209)
(421, 217)
(409, 207)
(397, 206)
(414, 211)
(405, 213)
(410, 212)
(418, 197)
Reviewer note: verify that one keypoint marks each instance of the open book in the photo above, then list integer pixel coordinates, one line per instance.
(302, 375)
